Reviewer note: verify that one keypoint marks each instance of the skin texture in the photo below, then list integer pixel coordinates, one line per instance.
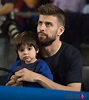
(6, 9)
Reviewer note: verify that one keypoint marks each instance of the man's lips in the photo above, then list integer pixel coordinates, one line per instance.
(41, 34)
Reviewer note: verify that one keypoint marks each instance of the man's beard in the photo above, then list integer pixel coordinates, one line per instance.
(46, 42)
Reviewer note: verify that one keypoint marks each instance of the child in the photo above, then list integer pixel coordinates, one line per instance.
(26, 44)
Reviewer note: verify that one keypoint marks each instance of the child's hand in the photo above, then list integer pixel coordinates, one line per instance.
(13, 82)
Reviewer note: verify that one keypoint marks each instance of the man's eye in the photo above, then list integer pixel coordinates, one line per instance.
(40, 23)
(48, 24)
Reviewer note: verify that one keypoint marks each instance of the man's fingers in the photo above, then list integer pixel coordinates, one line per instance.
(20, 71)
(20, 79)
(19, 74)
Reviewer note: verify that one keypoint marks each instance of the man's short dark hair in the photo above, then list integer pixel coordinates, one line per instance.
(49, 9)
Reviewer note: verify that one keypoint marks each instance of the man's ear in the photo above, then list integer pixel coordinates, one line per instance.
(61, 30)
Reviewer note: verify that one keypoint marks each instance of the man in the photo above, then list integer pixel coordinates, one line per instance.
(64, 60)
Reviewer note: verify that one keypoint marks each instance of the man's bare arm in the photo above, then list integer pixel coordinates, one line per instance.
(45, 82)
(7, 8)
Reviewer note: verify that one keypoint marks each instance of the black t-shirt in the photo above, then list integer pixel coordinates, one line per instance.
(66, 65)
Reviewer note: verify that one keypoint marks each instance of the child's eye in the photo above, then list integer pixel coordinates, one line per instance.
(29, 48)
(21, 50)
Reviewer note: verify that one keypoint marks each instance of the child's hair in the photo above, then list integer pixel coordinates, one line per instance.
(26, 38)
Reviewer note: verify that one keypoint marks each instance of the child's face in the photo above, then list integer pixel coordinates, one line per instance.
(27, 54)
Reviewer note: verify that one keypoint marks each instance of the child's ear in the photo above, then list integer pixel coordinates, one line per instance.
(37, 51)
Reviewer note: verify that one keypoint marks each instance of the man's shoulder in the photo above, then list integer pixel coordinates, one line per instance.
(69, 48)
(70, 55)
(69, 51)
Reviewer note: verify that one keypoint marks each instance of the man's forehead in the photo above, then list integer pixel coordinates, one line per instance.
(47, 17)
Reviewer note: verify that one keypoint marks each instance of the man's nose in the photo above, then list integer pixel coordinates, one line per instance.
(43, 27)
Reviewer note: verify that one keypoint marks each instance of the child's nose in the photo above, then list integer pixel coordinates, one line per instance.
(25, 51)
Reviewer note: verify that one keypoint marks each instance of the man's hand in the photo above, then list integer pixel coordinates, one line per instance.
(25, 75)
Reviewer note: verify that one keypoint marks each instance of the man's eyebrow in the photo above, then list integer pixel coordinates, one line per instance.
(39, 21)
(48, 22)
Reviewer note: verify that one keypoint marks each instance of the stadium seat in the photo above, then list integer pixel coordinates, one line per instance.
(85, 78)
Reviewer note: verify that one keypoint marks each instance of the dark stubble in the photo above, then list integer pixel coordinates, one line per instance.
(47, 41)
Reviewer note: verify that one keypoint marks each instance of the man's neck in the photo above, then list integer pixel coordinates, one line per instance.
(47, 51)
